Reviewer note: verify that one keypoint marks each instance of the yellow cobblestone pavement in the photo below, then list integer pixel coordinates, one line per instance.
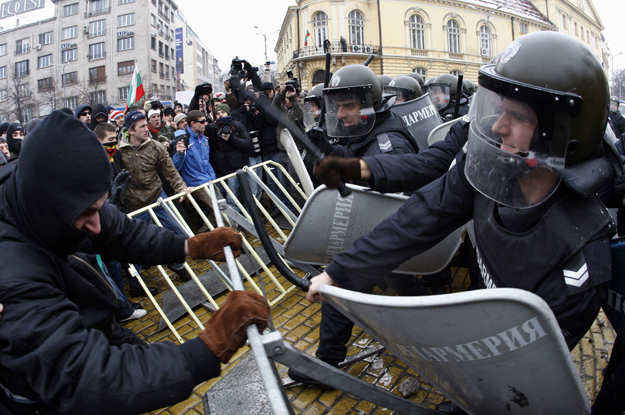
(298, 322)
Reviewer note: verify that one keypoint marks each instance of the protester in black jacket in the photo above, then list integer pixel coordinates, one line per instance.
(60, 350)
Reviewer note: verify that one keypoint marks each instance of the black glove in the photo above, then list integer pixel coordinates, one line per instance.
(334, 170)
(118, 189)
(318, 136)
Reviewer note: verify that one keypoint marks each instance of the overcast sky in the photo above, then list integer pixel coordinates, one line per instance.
(227, 27)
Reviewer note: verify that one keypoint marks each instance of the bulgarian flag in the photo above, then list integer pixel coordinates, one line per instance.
(136, 89)
(306, 38)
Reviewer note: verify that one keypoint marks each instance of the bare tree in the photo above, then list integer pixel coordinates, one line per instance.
(618, 83)
(89, 91)
(48, 97)
(20, 101)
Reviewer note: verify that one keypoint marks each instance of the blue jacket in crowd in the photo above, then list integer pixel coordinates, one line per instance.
(194, 165)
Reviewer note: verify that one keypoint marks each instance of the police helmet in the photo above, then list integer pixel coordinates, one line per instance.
(416, 76)
(384, 80)
(529, 122)
(405, 88)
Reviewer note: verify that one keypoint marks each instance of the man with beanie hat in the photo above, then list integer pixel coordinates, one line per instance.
(180, 121)
(61, 350)
(144, 158)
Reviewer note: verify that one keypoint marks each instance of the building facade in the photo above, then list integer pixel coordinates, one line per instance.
(87, 53)
(430, 37)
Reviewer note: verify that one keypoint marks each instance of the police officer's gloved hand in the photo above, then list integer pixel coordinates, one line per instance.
(333, 171)
(319, 138)
(226, 331)
(118, 189)
(210, 245)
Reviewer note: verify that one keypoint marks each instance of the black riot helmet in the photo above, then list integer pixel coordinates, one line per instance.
(384, 80)
(312, 106)
(352, 100)
(470, 87)
(530, 120)
(404, 88)
(416, 76)
(614, 104)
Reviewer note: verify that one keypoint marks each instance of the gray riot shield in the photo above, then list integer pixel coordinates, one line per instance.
(330, 223)
(420, 116)
(491, 352)
(296, 159)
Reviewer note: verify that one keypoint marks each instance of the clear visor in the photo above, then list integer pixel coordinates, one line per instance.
(509, 160)
(349, 111)
(440, 94)
(312, 111)
(402, 94)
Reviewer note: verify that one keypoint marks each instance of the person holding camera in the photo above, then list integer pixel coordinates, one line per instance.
(249, 115)
(230, 146)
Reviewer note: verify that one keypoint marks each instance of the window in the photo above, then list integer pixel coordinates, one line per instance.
(98, 6)
(417, 32)
(455, 73)
(160, 49)
(356, 28)
(96, 51)
(421, 71)
(453, 36)
(97, 28)
(172, 17)
(153, 65)
(126, 43)
(98, 97)
(167, 71)
(46, 38)
(154, 2)
(581, 29)
(485, 41)
(153, 20)
(22, 46)
(97, 75)
(173, 72)
(160, 27)
(320, 25)
(523, 28)
(168, 91)
(3, 72)
(70, 78)
(126, 1)
(45, 84)
(126, 20)
(564, 22)
(44, 61)
(68, 55)
(166, 53)
(70, 9)
(125, 68)
(68, 32)
(123, 93)
(21, 69)
(153, 43)
(3, 49)
(161, 73)
(576, 34)
(3, 95)
(23, 91)
(587, 36)
(71, 102)
(172, 53)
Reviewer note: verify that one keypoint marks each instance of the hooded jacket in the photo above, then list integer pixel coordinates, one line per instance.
(99, 109)
(15, 145)
(59, 345)
(80, 108)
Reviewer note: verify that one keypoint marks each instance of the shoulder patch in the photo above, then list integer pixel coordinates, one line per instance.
(384, 142)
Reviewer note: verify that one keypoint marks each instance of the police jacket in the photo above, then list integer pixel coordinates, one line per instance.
(60, 347)
(194, 163)
(449, 202)
(227, 156)
(387, 137)
(448, 112)
(618, 123)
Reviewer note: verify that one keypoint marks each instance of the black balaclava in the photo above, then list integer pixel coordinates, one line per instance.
(97, 110)
(15, 145)
(46, 197)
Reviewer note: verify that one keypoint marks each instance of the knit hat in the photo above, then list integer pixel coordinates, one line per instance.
(220, 95)
(180, 117)
(115, 115)
(223, 107)
(266, 85)
(154, 112)
(169, 111)
(132, 117)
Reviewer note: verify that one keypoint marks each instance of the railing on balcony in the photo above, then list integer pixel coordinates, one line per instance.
(419, 52)
(163, 15)
(161, 53)
(335, 48)
(98, 11)
(456, 56)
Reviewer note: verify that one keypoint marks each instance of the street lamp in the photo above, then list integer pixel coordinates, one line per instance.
(265, 36)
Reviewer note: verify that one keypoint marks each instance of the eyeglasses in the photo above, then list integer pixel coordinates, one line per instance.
(202, 121)
(82, 114)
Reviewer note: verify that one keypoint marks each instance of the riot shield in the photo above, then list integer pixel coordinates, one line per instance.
(420, 117)
(296, 159)
(494, 351)
(614, 307)
(330, 223)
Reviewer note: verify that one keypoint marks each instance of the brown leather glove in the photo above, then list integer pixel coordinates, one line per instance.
(333, 171)
(225, 332)
(210, 245)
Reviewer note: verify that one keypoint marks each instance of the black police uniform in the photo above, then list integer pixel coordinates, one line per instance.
(618, 123)
(449, 202)
(447, 113)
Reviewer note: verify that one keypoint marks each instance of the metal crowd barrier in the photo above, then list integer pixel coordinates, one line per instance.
(229, 215)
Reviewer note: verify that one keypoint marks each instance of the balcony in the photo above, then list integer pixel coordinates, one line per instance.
(167, 37)
(161, 75)
(456, 56)
(97, 12)
(336, 48)
(161, 53)
(160, 32)
(419, 53)
(163, 15)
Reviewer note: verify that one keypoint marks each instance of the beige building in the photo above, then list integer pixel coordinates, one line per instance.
(430, 37)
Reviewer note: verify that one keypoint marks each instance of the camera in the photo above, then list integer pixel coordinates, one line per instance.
(225, 129)
(206, 89)
(252, 108)
(291, 85)
(157, 105)
(236, 67)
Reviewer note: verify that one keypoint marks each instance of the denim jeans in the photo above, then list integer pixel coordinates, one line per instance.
(233, 184)
(257, 191)
(167, 223)
(278, 173)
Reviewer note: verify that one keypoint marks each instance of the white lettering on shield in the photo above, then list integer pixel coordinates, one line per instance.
(340, 223)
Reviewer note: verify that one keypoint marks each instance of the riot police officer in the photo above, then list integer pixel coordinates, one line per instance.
(418, 77)
(443, 91)
(405, 88)
(520, 180)
(617, 121)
